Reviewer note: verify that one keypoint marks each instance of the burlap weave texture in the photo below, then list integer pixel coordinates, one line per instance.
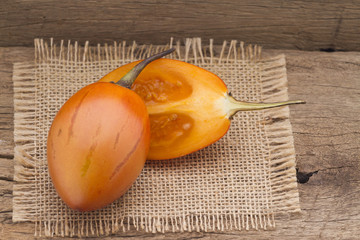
(240, 182)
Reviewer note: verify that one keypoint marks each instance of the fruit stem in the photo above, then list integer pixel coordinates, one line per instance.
(129, 78)
(235, 105)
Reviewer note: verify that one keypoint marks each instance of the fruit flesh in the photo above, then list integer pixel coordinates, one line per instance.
(184, 103)
(99, 139)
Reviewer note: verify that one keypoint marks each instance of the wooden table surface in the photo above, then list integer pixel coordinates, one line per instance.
(297, 24)
(327, 139)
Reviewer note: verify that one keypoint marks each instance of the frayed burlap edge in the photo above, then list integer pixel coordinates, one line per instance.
(279, 133)
(278, 128)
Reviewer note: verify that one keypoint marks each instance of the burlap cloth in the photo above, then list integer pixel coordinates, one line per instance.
(238, 183)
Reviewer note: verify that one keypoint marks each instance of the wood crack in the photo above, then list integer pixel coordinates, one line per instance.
(327, 135)
(8, 179)
(7, 156)
(332, 168)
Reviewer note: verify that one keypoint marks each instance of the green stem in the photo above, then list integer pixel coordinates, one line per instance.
(235, 105)
(129, 78)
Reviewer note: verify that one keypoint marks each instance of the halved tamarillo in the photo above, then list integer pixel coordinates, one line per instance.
(98, 142)
(189, 107)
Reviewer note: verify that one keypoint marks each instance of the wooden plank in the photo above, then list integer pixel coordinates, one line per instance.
(299, 24)
(327, 138)
(326, 134)
(7, 57)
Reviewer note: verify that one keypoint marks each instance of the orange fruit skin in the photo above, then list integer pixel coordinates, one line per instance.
(186, 106)
(97, 145)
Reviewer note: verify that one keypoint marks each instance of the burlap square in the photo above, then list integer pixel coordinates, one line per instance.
(238, 183)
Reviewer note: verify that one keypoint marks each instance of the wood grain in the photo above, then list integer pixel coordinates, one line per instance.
(300, 24)
(327, 138)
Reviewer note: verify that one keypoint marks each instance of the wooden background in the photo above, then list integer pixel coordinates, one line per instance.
(297, 24)
(326, 129)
